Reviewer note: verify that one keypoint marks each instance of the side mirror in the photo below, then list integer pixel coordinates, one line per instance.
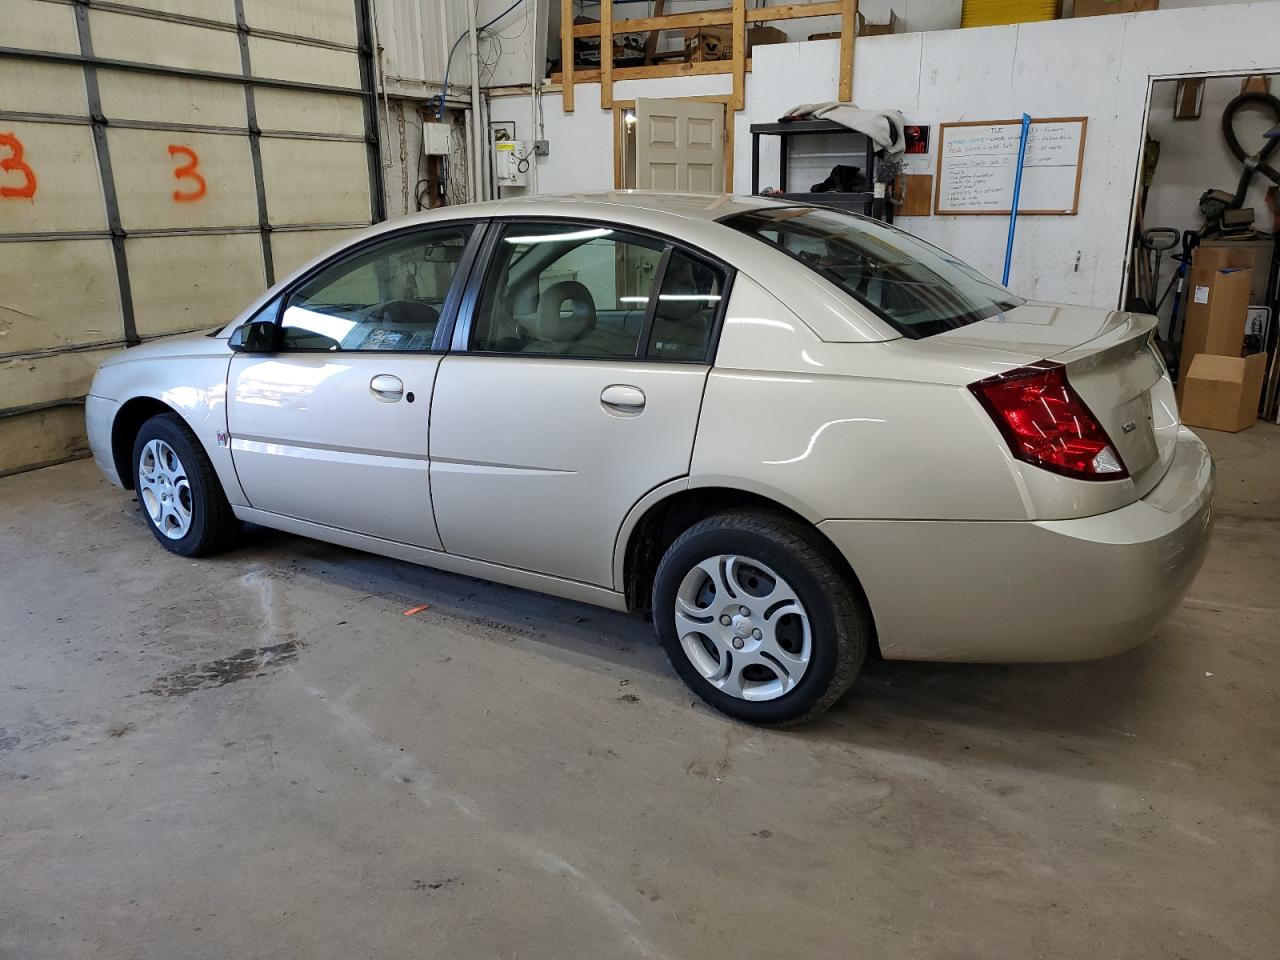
(256, 336)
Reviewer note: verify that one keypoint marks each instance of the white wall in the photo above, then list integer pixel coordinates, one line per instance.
(1097, 67)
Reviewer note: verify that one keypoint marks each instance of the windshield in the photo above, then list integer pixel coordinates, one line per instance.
(914, 286)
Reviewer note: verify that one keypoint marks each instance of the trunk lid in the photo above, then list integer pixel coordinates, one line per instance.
(1111, 363)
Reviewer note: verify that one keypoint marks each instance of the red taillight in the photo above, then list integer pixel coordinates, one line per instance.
(1047, 424)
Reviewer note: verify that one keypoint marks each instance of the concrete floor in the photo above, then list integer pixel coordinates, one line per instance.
(506, 775)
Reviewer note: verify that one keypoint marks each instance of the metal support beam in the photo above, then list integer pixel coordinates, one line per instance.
(103, 151)
(364, 29)
(255, 146)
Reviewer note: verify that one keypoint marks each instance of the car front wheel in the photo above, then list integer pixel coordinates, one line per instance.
(177, 489)
(757, 617)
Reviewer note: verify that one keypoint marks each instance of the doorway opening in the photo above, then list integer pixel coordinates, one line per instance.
(1207, 199)
(682, 144)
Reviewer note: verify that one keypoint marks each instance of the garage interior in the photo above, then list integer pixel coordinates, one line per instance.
(297, 749)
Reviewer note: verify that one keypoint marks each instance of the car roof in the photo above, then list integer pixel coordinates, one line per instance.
(690, 206)
(624, 206)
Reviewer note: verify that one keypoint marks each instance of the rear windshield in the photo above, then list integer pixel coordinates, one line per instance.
(914, 286)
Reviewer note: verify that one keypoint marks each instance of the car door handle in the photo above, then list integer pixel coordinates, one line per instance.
(622, 397)
(386, 387)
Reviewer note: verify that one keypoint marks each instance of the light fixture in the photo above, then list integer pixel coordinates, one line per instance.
(629, 118)
(556, 237)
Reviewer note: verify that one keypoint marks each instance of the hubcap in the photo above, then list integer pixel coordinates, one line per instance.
(164, 489)
(743, 628)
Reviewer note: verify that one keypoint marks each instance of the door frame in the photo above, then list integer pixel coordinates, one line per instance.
(274, 308)
(1135, 195)
(622, 107)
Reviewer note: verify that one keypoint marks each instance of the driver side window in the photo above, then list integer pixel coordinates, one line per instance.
(387, 297)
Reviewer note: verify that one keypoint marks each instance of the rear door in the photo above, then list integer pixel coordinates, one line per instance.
(573, 389)
(332, 427)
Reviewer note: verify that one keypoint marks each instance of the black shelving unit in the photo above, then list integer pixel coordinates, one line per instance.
(862, 147)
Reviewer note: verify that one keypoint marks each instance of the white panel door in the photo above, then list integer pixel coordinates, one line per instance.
(680, 146)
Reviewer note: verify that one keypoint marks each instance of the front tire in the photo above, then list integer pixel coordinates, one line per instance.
(758, 618)
(178, 491)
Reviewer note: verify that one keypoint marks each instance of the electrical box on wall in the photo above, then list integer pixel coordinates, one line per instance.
(435, 139)
(511, 159)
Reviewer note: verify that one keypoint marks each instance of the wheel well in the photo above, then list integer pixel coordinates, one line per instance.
(669, 518)
(124, 431)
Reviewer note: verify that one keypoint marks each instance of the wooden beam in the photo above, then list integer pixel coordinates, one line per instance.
(606, 54)
(728, 146)
(566, 54)
(620, 109)
(739, 59)
(795, 11)
(651, 40)
(670, 21)
(714, 18)
(848, 33)
(698, 69)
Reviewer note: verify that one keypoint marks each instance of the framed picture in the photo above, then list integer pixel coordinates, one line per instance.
(916, 137)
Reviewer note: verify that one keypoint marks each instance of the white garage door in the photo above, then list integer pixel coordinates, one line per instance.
(161, 162)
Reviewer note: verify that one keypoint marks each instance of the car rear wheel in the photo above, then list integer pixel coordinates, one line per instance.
(757, 617)
(178, 491)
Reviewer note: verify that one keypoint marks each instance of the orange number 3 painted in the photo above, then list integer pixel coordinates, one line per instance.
(187, 172)
(14, 163)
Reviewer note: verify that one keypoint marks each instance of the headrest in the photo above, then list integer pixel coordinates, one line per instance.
(679, 280)
(565, 311)
(407, 312)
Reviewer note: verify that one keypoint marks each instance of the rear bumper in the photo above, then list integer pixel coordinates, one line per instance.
(1035, 591)
(99, 415)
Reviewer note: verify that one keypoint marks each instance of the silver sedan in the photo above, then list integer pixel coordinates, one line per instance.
(796, 436)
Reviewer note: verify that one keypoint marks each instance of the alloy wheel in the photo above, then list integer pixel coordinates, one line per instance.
(164, 489)
(743, 627)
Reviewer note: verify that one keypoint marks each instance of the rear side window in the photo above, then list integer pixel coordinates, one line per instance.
(684, 316)
(594, 291)
(566, 290)
(917, 288)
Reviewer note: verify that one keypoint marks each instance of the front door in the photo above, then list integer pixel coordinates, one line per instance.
(680, 146)
(573, 391)
(332, 427)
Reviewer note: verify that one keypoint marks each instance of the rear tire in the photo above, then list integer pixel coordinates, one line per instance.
(758, 618)
(181, 499)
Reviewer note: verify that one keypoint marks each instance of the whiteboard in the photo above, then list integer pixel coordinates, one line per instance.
(977, 163)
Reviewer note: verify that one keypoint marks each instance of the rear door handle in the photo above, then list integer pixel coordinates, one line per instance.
(623, 398)
(386, 387)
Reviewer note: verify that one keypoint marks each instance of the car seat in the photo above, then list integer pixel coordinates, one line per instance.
(566, 314)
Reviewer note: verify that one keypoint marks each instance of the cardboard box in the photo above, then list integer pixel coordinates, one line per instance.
(708, 43)
(1217, 311)
(763, 36)
(1253, 252)
(877, 29)
(1094, 8)
(1222, 392)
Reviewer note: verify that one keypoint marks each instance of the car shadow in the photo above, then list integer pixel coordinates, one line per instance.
(621, 640)
(932, 709)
